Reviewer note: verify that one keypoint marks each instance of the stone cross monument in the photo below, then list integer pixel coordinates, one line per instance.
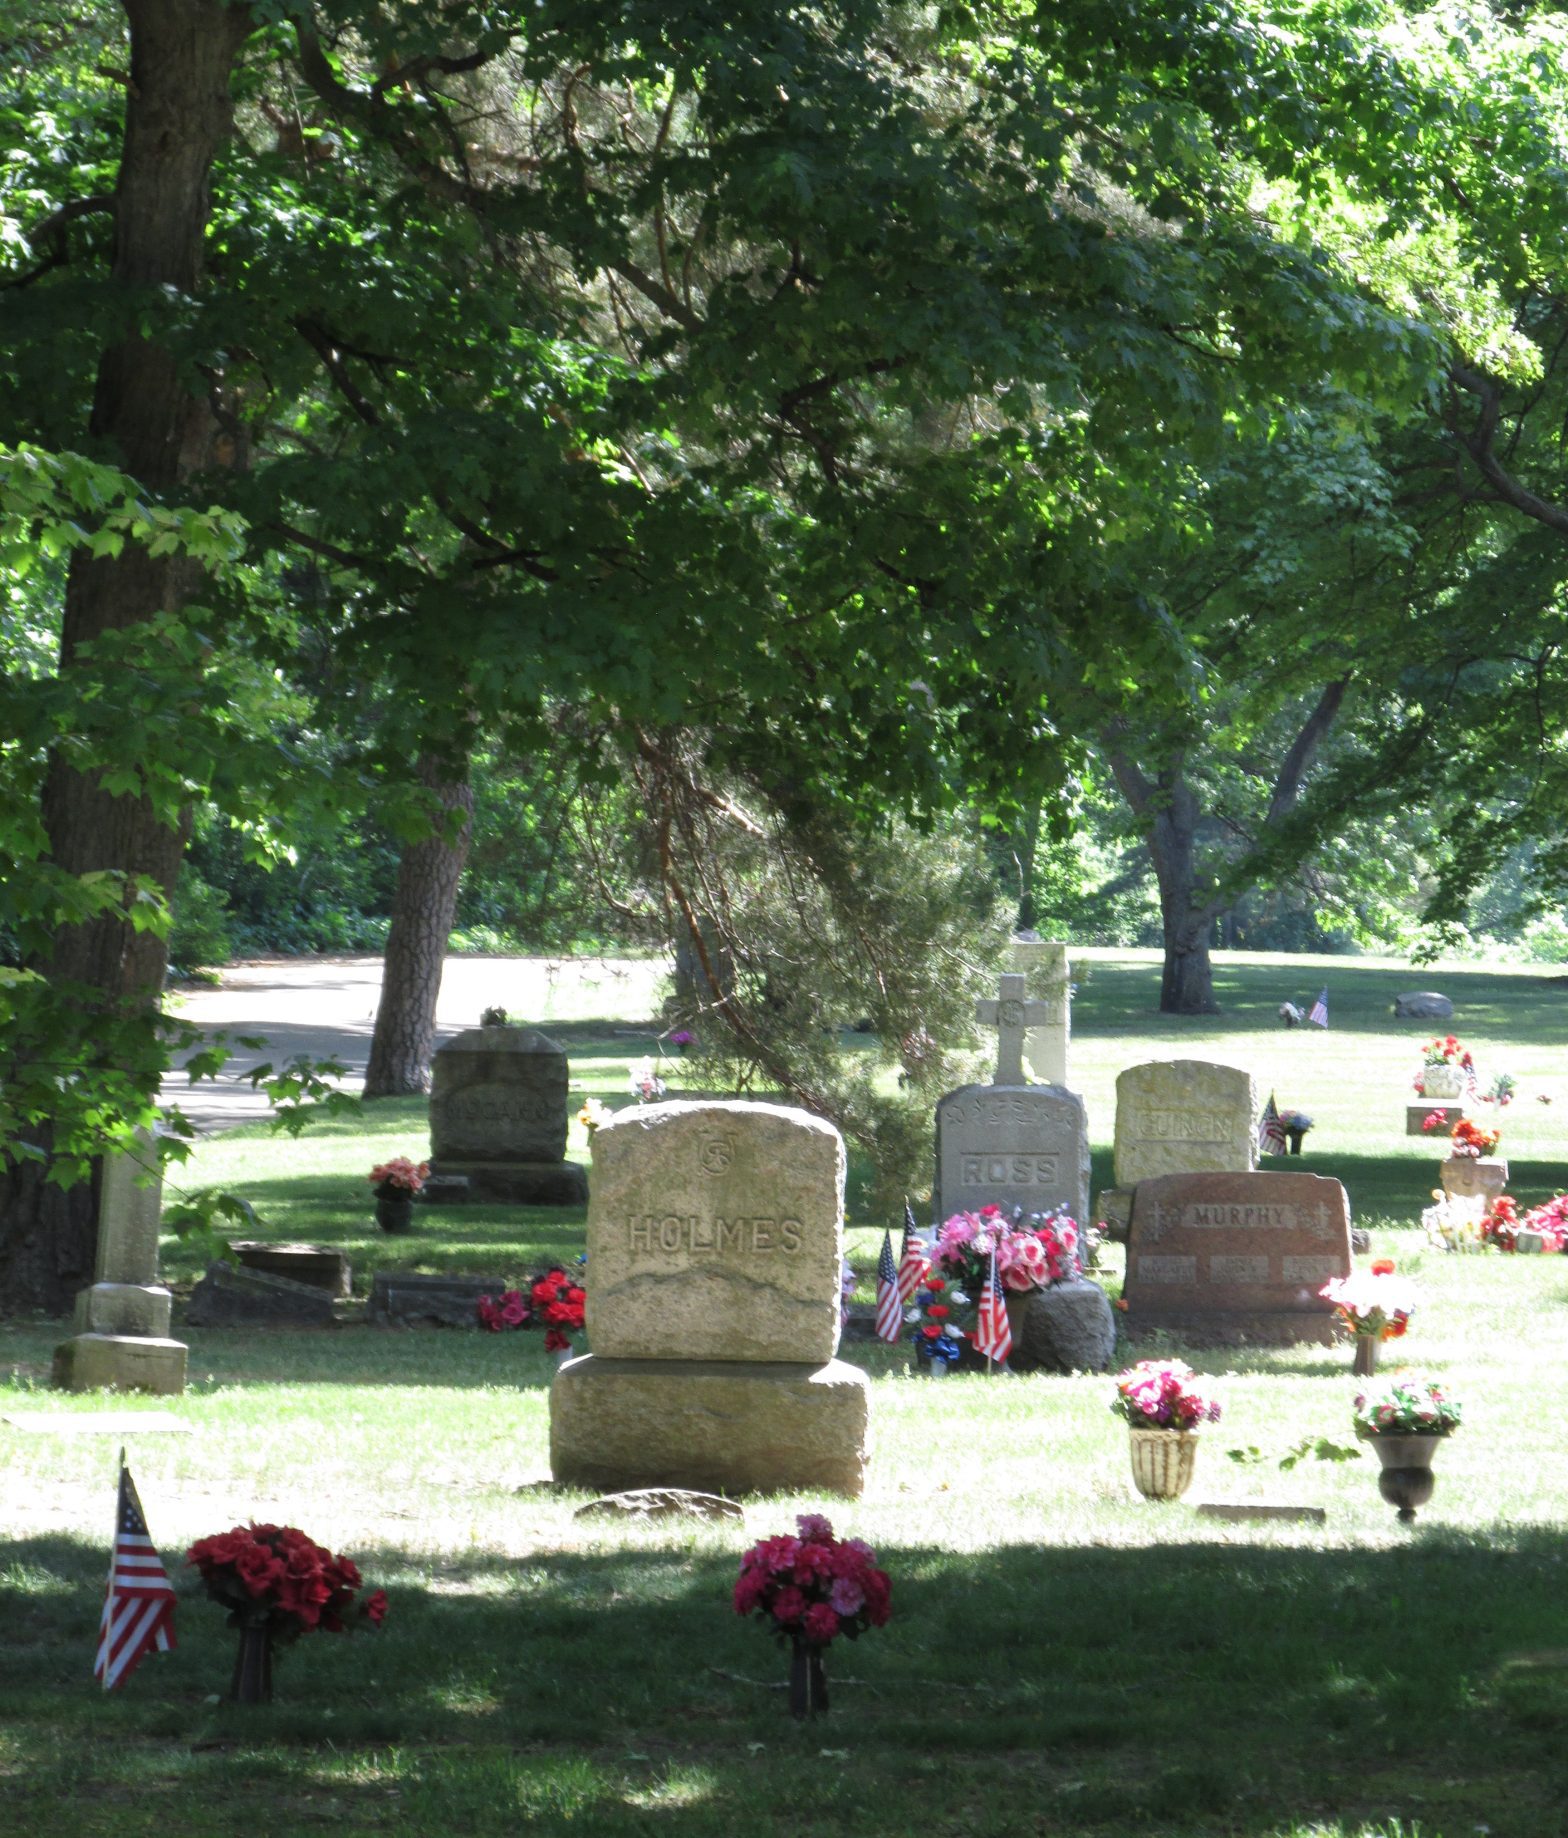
(1012, 1014)
(1044, 960)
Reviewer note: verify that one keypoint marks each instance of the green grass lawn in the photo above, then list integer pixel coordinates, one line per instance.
(1064, 1657)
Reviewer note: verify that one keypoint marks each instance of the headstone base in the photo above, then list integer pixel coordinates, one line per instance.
(1218, 1328)
(1417, 1114)
(142, 1310)
(520, 1183)
(720, 1426)
(120, 1362)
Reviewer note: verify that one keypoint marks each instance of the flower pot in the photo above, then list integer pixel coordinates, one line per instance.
(1469, 1177)
(1365, 1362)
(1442, 1081)
(1295, 1137)
(1162, 1461)
(252, 1681)
(395, 1210)
(808, 1686)
(1407, 1479)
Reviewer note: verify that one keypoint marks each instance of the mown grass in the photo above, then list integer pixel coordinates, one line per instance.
(1064, 1657)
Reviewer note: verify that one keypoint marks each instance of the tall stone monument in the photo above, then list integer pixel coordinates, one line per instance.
(715, 1245)
(1011, 1143)
(498, 1104)
(122, 1322)
(1043, 963)
(1236, 1258)
(1179, 1116)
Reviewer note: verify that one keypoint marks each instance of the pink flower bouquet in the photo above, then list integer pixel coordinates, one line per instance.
(813, 1587)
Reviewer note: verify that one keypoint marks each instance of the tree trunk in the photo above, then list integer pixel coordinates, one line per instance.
(144, 418)
(429, 873)
(1187, 981)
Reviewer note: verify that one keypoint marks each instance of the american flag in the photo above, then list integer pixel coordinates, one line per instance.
(912, 1261)
(138, 1607)
(1318, 1013)
(890, 1304)
(993, 1331)
(1271, 1132)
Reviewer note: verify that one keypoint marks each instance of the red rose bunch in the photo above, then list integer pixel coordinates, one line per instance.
(274, 1576)
(814, 1587)
(553, 1301)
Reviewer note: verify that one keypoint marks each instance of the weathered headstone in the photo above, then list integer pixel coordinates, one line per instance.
(714, 1257)
(451, 1301)
(1419, 1115)
(1066, 1327)
(122, 1321)
(233, 1296)
(318, 1265)
(1043, 963)
(498, 1104)
(1011, 1145)
(1179, 1116)
(1233, 1258)
(1424, 1005)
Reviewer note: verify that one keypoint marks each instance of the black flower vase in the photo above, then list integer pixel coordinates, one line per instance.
(808, 1685)
(1295, 1140)
(394, 1209)
(252, 1681)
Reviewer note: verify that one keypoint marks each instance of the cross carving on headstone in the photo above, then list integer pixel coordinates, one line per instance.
(1012, 1014)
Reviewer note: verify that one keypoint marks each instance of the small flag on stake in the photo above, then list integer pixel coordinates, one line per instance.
(1318, 1013)
(138, 1605)
(890, 1306)
(1271, 1132)
(912, 1260)
(993, 1331)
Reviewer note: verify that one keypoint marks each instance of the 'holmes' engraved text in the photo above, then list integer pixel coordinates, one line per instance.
(690, 1232)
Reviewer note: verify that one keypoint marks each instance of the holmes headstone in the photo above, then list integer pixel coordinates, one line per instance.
(122, 1321)
(498, 1103)
(715, 1237)
(1010, 1143)
(1043, 963)
(1233, 1258)
(1179, 1116)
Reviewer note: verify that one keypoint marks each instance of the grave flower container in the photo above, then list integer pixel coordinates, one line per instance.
(1164, 1403)
(396, 1182)
(394, 1209)
(252, 1680)
(1472, 1177)
(1405, 1419)
(1442, 1081)
(1163, 1462)
(808, 1685)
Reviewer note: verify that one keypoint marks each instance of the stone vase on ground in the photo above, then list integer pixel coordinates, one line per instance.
(1162, 1461)
(1470, 1177)
(1442, 1081)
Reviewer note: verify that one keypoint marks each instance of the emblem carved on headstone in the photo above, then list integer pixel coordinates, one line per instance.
(716, 1154)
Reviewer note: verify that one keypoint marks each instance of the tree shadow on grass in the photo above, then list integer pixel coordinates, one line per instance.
(1173, 1689)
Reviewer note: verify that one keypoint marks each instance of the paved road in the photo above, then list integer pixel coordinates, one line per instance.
(326, 1007)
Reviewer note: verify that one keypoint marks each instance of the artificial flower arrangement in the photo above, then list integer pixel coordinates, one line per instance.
(400, 1175)
(646, 1085)
(814, 1586)
(1502, 1090)
(1469, 1139)
(1454, 1223)
(1032, 1252)
(1163, 1394)
(1502, 1223)
(552, 1301)
(1373, 1304)
(274, 1577)
(1445, 1050)
(1406, 1407)
(593, 1114)
(681, 1039)
(1294, 1122)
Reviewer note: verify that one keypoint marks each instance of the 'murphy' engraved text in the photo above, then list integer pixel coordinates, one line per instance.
(691, 1232)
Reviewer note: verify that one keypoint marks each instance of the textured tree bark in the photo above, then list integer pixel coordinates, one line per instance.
(145, 419)
(424, 903)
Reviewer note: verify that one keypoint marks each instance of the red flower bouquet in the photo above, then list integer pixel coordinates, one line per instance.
(1470, 1139)
(813, 1587)
(274, 1577)
(552, 1301)
(399, 1175)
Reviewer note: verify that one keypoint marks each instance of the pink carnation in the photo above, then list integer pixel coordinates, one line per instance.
(789, 1605)
(821, 1624)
